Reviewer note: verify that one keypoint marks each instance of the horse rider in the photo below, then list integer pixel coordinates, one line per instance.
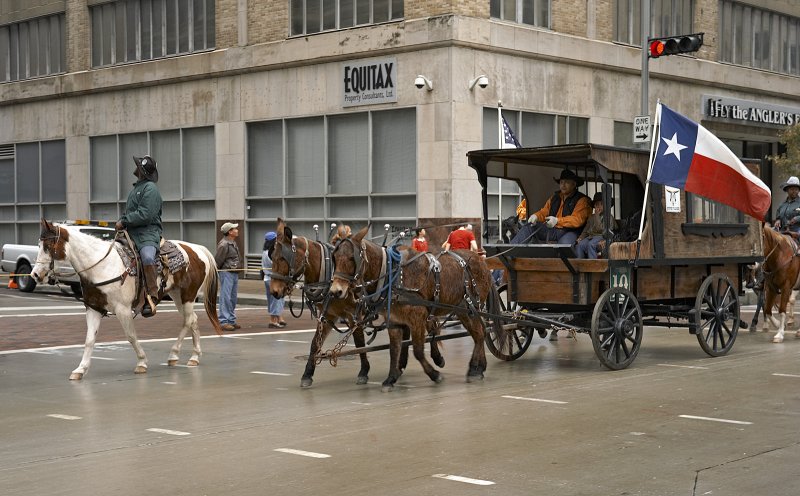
(142, 219)
(563, 216)
(787, 218)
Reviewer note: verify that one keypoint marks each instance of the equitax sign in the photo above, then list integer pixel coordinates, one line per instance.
(749, 113)
(368, 82)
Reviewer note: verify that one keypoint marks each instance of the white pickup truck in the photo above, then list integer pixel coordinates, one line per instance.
(19, 259)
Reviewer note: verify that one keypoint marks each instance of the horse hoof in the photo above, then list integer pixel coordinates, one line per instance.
(387, 388)
(797, 335)
(140, 370)
(192, 363)
(437, 378)
(473, 378)
(305, 382)
(362, 379)
(777, 339)
(172, 363)
(75, 376)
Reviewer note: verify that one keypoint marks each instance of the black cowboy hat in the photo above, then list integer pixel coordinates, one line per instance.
(568, 174)
(147, 167)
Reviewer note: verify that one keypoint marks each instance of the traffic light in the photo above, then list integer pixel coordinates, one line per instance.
(672, 45)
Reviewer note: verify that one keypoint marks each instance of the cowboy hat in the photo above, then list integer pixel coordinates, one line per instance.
(147, 167)
(568, 174)
(793, 181)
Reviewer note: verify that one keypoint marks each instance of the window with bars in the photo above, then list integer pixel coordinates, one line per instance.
(354, 168)
(33, 184)
(136, 30)
(668, 18)
(533, 12)
(531, 129)
(186, 160)
(759, 38)
(314, 16)
(32, 48)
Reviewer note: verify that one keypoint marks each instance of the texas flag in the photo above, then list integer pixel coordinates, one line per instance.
(689, 157)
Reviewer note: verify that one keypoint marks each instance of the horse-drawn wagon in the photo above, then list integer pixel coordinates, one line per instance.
(687, 270)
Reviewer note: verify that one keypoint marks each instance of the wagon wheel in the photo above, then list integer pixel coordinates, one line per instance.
(716, 315)
(507, 344)
(617, 328)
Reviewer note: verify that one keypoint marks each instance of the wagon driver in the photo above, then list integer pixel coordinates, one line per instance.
(788, 215)
(563, 216)
(142, 219)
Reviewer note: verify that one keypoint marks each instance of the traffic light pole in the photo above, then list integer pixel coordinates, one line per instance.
(645, 56)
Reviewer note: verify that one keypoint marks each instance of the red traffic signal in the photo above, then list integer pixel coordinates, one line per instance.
(673, 45)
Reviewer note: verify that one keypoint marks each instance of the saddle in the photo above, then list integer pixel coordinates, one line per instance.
(169, 259)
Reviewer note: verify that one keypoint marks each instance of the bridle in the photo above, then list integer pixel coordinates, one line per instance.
(359, 256)
(289, 253)
(51, 267)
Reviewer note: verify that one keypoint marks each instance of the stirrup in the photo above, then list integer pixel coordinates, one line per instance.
(149, 308)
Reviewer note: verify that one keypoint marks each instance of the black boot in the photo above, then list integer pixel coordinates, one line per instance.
(151, 291)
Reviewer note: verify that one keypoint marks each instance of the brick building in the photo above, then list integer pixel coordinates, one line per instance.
(308, 109)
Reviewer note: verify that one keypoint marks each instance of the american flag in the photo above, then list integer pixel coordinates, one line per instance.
(509, 140)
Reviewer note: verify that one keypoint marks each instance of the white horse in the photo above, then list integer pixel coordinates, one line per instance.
(107, 290)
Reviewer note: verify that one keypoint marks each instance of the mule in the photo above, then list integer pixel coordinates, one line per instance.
(360, 265)
(107, 289)
(781, 269)
(296, 257)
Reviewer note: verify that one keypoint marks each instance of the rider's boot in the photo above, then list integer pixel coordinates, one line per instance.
(151, 293)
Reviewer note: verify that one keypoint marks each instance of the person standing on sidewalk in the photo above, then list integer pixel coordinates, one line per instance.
(274, 305)
(228, 263)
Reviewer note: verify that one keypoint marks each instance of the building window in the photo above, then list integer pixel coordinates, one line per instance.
(623, 134)
(32, 48)
(314, 16)
(354, 168)
(186, 160)
(531, 129)
(759, 38)
(533, 12)
(135, 30)
(33, 185)
(668, 18)
(701, 210)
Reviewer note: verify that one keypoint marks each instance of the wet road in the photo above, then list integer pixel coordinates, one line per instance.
(553, 422)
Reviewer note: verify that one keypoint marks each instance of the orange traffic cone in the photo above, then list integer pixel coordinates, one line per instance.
(12, 283)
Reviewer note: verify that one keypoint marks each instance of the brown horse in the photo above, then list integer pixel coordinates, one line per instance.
(360, 265)
(296, 257)
(781, 269)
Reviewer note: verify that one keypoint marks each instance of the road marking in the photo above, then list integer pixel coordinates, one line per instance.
(236, 337)
(64, 417)
(102, 358)
(291, 341)
(536, 399)
(787, 375)
(681, 366)
(302, 453)
(270, 373)
(165, 364)
(55, 307)
(716, 419)
(458, 478)
(171, 383)
(170, 432)
(360, 403)
(159, 340)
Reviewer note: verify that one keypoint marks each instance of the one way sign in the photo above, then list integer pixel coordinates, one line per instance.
(641, 129)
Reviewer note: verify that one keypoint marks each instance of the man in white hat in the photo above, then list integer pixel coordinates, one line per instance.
(787, 217)
(228, 263)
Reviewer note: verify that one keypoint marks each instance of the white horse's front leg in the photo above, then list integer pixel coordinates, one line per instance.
(125, 318)
(189, 324)
(778, 338)
(92, 325)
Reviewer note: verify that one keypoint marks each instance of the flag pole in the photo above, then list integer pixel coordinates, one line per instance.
(500, 142)
(653, 147)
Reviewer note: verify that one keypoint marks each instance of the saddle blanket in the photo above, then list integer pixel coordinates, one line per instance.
(168, 252)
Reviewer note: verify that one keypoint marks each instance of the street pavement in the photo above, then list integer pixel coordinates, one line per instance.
(553, 422)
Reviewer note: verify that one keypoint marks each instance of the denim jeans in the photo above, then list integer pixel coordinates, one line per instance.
(275, 305)
(538, 233)
(228, 291)
(587, 248)
(148, 255)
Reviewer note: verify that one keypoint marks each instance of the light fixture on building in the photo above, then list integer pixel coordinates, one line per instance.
(422, 82)
(481, 81)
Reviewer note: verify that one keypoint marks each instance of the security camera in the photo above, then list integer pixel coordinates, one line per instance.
(422, 82)
(481, 81)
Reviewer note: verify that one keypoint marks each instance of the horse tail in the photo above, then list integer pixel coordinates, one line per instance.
(210, 286)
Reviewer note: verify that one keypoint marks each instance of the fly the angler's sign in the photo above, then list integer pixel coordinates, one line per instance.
(748, 112)
(368, 82)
